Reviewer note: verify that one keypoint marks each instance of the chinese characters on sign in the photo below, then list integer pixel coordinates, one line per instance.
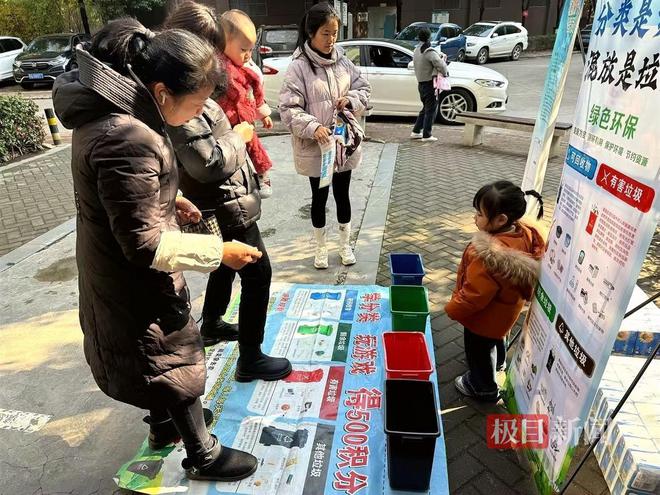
(355, 450)
(576, 350)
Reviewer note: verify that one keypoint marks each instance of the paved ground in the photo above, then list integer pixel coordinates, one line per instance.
(36, 195)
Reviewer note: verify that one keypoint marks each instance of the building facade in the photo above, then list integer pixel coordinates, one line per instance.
(378, 18)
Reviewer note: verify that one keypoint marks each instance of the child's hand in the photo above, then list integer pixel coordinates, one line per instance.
(267, 122)
(245, 130)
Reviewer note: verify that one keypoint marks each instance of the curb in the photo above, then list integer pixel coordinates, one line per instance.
(25, 161)
(38, 244)
(372, 228)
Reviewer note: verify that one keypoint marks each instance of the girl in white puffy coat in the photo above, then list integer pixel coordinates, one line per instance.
(319, 81)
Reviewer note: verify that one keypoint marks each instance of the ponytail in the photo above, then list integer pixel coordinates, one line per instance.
(538, 197)
(177, 58)
(303, 38)
(504, 197)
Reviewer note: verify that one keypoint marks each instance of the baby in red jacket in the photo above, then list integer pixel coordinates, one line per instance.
(244, 99)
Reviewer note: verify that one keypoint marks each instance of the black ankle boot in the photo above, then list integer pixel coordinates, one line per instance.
(221, 464)
(165, 433)
(255, 365)
(217, 330)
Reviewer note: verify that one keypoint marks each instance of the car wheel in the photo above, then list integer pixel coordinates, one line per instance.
(517, 50)
(460, 56)
(452, 103)
(27, 85)
(482, 56)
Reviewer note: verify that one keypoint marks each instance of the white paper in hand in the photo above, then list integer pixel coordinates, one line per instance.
(328, 152)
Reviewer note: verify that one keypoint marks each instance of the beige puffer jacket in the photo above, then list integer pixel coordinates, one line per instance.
(308, 99)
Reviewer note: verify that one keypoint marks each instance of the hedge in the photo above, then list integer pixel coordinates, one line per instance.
(21, 128)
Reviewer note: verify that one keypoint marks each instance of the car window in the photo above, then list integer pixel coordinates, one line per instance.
(381, 56)
(511, 29)
(447, 32)
(286, 39)
(48, 45)
(412, 32)
(353, 54)
(501, 31)
(455, 31)
(482, 30)
(9, 45)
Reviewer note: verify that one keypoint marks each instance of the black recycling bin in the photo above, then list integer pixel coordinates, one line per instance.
(412, 426)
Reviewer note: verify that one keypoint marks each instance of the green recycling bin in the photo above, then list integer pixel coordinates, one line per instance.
(410, 307)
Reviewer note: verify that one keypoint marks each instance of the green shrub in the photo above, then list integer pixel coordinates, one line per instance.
(21, 129)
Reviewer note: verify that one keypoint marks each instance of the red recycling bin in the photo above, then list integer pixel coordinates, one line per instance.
(406, 356)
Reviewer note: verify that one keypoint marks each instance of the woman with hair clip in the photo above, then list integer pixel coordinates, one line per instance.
(319, 81)
(217, 177)
(140, 341)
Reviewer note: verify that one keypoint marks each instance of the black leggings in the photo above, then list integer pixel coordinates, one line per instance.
(188, 419)
(341, 182)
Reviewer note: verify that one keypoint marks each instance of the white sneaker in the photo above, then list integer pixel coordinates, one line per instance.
(321, 258)
(321, 252)
(345, 250)
(429, 139)
(347, 256)
(416, 135)
(265, 188)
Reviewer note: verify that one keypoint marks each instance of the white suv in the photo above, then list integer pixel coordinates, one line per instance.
(9, 49)
(495, 39)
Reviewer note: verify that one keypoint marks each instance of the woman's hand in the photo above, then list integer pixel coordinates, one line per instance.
(237, 255)
(245, 130)
(267, 122)
(186, 212)
(322, 134)
(342, 103)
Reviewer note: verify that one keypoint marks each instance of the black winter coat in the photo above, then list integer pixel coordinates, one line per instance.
(215, 171)
(140, 342)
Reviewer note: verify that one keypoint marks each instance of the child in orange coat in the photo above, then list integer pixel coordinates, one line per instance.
(243, 100)
(497, 275)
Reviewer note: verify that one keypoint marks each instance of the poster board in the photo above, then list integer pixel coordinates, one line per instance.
(606, 214)
(302, 429)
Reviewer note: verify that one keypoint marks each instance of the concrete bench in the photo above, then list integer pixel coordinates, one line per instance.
(475, 123)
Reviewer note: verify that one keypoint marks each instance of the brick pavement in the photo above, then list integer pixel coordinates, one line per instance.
(35, 196)
(431, 213)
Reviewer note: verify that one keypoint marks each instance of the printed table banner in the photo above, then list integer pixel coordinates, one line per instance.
(319, 431)
(607, 212)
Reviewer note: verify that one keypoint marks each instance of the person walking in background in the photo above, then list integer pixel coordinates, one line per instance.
(497, 275)
(140, 341)
(428, 63)
(217, 176)
(320, 81)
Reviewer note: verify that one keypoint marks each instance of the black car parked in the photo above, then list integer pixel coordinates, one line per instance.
(46, 58)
